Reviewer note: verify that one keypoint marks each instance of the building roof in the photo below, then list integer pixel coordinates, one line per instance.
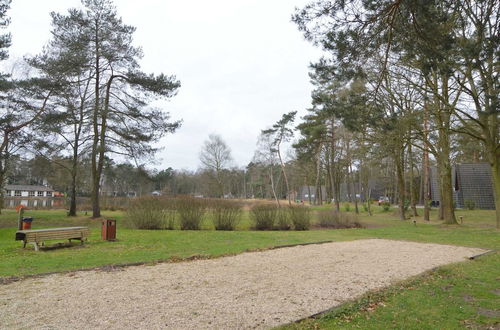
(25, 187)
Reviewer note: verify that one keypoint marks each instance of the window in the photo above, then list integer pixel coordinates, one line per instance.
(40, 193)
(31, 193)
(49, 193)
(7, 193)
(17, 193)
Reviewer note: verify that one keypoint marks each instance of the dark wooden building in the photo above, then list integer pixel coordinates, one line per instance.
(471, 182)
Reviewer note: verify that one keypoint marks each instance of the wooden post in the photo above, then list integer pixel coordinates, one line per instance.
(20, 220)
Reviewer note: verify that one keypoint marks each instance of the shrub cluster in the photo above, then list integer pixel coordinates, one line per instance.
(301, 217)
(146, 213)
(365, 207)
(225, 213)
(283, 219)
(264, 216)
(191, 212)
(170, 213)
(186, 213)
(347, 207)
(338, 220)
(386, 206)
(269, 217)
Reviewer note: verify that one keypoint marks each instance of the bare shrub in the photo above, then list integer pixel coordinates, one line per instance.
(338, 220)
(263, 216)
(283, 219)
(225, 213)
(170, 211)
(300, 217)
(191, 212)
(146, 213)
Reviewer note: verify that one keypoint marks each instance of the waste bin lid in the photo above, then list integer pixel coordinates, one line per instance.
(27, 219)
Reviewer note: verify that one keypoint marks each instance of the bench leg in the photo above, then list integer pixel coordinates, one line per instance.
(24, 244)
(35, 244)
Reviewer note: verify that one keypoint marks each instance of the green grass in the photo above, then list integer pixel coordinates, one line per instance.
(454, 296)
(463, 295)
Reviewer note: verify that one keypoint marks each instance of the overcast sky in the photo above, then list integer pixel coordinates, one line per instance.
(241, 63)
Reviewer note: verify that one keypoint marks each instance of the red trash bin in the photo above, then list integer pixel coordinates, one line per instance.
(108, 230)
(27, 223)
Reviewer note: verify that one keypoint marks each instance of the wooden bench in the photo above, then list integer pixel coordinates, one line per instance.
(38, 236)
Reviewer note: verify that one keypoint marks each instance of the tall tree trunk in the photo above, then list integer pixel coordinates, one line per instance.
(72, 205)
(2, 184)
(495, 169)
(443, 118)
(447, 206)
(444, 168)
(349, 185)
(309, 191)
(96, 178)
(369, 204)
(74, 172)
(400, 178)
(349, 167)
(440, 211)
(426, 187)
(328, 179)
(426, 168)
(318, 176)
(355, 189)
(493, 148)
(284, 175)
(4, 165)
(413, 202)
(273, 189)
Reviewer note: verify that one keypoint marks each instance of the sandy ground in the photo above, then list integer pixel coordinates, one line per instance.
(250, 290)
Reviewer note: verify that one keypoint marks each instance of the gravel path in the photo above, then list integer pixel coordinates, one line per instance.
(250, 290)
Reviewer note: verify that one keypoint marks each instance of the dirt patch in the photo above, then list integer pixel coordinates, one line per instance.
(469, 298)
(489, 312)
(250, 290)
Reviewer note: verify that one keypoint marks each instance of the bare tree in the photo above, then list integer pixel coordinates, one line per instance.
(266, 155)
(215, 156)
(279, 133)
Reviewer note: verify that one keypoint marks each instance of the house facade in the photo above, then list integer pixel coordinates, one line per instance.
(13, 190)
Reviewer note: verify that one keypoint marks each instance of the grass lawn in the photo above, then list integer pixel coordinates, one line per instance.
(455, 296)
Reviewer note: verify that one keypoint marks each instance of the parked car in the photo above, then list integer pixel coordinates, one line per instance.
(383, 200)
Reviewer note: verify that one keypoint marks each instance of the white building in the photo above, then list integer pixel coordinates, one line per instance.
(14, 190)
